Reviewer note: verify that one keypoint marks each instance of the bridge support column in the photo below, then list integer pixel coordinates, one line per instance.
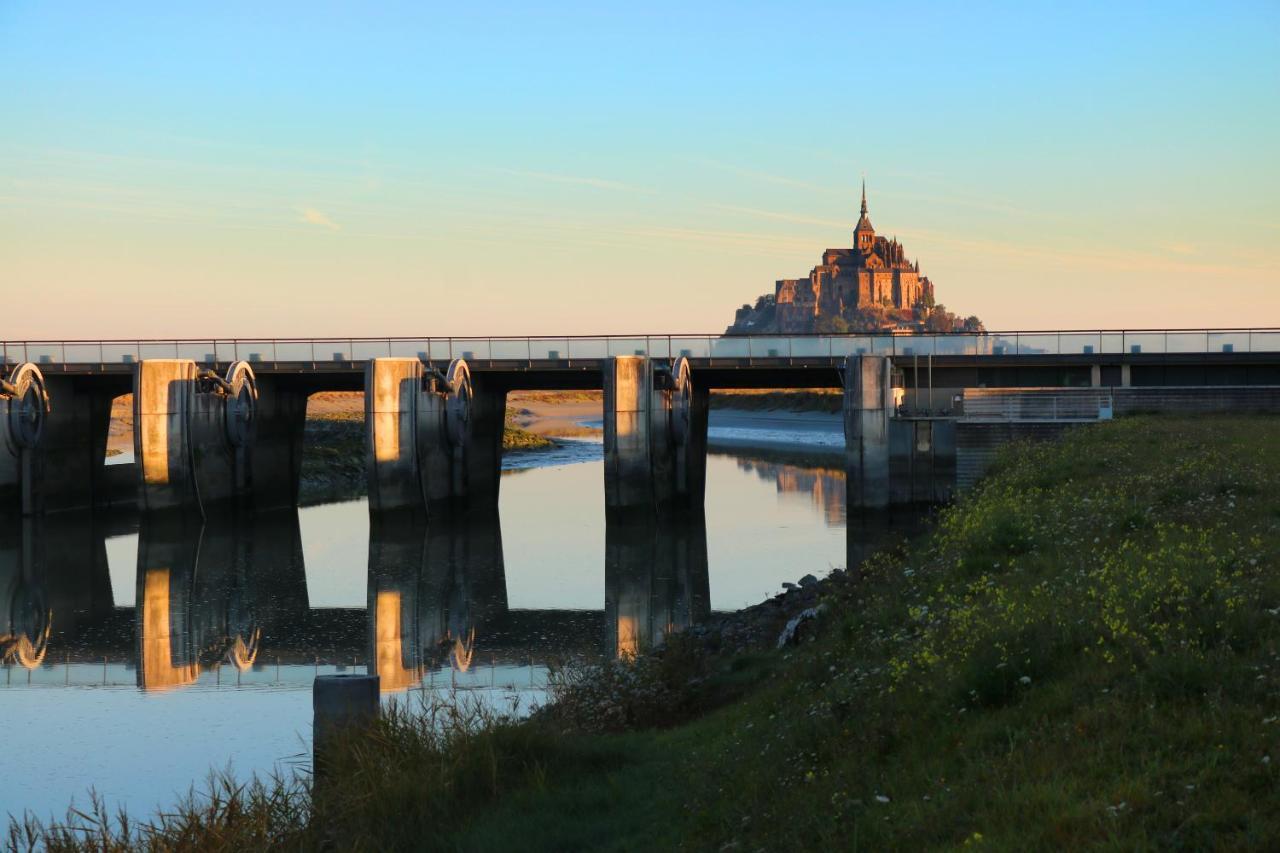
(432, 438)
(275, 464)
(655, 435)
(193, 434)
(53, 441)
(868, 403)
(1095, 376)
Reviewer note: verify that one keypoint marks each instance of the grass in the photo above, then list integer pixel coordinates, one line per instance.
(333, 458)
(806, 400)
(1083, 653)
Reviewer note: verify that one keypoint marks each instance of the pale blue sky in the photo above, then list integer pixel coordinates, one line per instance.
(331, 168)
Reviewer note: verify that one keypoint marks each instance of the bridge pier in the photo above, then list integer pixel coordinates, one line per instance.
(53, 441)
(868, 405)
(432, 438)
(655, 435)
(194, 434)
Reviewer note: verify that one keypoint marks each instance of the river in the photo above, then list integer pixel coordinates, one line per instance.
(176, 649)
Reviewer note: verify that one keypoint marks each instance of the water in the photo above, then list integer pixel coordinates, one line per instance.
(173, 649)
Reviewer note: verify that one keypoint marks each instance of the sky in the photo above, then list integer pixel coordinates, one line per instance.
(241, 169)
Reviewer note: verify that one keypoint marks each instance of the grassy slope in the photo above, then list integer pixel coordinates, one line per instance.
(1085, 652)
(1129, 575)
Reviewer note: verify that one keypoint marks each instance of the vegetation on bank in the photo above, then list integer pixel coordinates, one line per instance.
(1083, 652)
(805, 400)
(333, 454)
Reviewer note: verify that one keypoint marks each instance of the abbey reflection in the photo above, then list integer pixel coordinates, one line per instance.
(209, 594)
(656, 581)
(824, 487)
(434, 589)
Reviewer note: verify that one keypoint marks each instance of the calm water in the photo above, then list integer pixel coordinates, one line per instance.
(137, 659)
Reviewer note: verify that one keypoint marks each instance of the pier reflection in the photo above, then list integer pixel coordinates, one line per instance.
(656, 581)
(53, 581)
(209, 592)
(435, 589)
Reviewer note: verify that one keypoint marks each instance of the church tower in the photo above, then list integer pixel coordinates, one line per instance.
(864, 236)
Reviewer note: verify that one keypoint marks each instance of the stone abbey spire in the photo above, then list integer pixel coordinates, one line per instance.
(864, 235)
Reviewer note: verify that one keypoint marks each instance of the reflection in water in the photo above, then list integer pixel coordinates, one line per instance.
(656, 581)
(433, 588)
(52, 568)
(825, 486)
(26, 618)
(206, 592)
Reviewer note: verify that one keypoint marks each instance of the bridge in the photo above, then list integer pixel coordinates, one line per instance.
(221, 420)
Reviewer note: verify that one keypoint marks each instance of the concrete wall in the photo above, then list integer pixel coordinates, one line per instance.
(867, 409)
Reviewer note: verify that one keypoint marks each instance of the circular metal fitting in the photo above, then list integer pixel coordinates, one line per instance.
(29, 406)
(457, 404)
(681, 400)
(242, 404)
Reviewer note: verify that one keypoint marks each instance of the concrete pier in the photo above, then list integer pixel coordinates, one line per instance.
(53, 440)
(868, 405)
(194, 434)
(655, 435)
(433, 438)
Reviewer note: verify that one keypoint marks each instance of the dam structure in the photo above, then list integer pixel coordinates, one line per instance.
(219, 422)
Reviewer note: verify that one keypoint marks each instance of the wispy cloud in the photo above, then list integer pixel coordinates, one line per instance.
(782, 216)
(311, 216)
(1100, 259)
(766, 177)
(578, 180)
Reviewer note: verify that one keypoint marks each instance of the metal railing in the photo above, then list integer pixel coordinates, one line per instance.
(1034, 404)
(593, 347)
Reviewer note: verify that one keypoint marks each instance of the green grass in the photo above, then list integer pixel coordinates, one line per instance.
(807, 400)
(333, 458)
(1084, 653)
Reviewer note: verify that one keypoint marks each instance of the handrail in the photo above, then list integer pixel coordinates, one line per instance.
(667, 335)
(588, 347)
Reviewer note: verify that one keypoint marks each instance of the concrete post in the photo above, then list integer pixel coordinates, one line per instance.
(394, 404)
(163, 396)
(1124, 376)
(339, 703)
(867, 407)
(655, 436)
(1095, 376)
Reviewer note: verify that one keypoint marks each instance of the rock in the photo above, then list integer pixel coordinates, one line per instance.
(808, 580)
(791, 633)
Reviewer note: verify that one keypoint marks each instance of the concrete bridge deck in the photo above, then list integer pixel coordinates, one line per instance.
(221, 419)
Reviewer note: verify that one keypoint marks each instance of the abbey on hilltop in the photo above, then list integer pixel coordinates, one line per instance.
(868, 287)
